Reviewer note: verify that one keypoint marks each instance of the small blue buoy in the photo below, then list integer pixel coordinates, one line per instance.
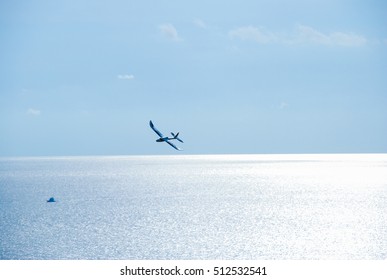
(51, 199)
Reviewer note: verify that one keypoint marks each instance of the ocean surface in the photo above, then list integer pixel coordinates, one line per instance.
(276, 207)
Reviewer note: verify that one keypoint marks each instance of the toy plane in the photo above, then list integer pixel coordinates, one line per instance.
(165, 138)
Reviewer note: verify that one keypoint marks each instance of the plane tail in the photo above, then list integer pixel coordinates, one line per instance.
(176, 136)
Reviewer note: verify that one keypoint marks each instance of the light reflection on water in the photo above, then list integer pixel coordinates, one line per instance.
(194, 207)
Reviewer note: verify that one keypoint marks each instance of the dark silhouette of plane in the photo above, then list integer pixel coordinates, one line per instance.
(166, 139)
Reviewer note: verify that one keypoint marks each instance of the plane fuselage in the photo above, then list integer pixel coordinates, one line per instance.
(163, 139)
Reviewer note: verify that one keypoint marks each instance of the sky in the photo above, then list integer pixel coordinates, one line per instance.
(245, 76)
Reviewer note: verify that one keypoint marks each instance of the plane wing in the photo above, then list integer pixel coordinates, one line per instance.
(155, 129)
(173, 145)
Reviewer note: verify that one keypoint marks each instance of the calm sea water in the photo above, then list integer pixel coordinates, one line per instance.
(194, 207)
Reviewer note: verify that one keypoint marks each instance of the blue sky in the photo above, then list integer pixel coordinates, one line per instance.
(85, 77)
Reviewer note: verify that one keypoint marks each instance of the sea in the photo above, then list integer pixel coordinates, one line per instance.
(194, 207)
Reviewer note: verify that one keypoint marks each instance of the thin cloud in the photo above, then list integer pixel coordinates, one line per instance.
(251, 33)
(307, 34)
(199, 23)
(33, 112)
(283, 105)
(302, 35)
(125, 77)
(169, 31)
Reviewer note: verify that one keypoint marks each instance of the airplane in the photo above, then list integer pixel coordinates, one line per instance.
(166, 139)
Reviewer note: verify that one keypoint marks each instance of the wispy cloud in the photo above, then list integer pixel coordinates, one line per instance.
(283, 105)
(251, 33)
(302, 35)
(33, 112)
(199, 23)
(307, 34)
(125, 77)
(169, 32)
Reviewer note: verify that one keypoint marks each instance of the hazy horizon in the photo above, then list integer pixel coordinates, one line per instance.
(234, 156)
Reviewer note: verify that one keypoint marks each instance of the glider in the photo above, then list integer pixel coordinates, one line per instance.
(164, 138)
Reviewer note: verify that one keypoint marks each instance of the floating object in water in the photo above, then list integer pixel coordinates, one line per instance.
(51, 199)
